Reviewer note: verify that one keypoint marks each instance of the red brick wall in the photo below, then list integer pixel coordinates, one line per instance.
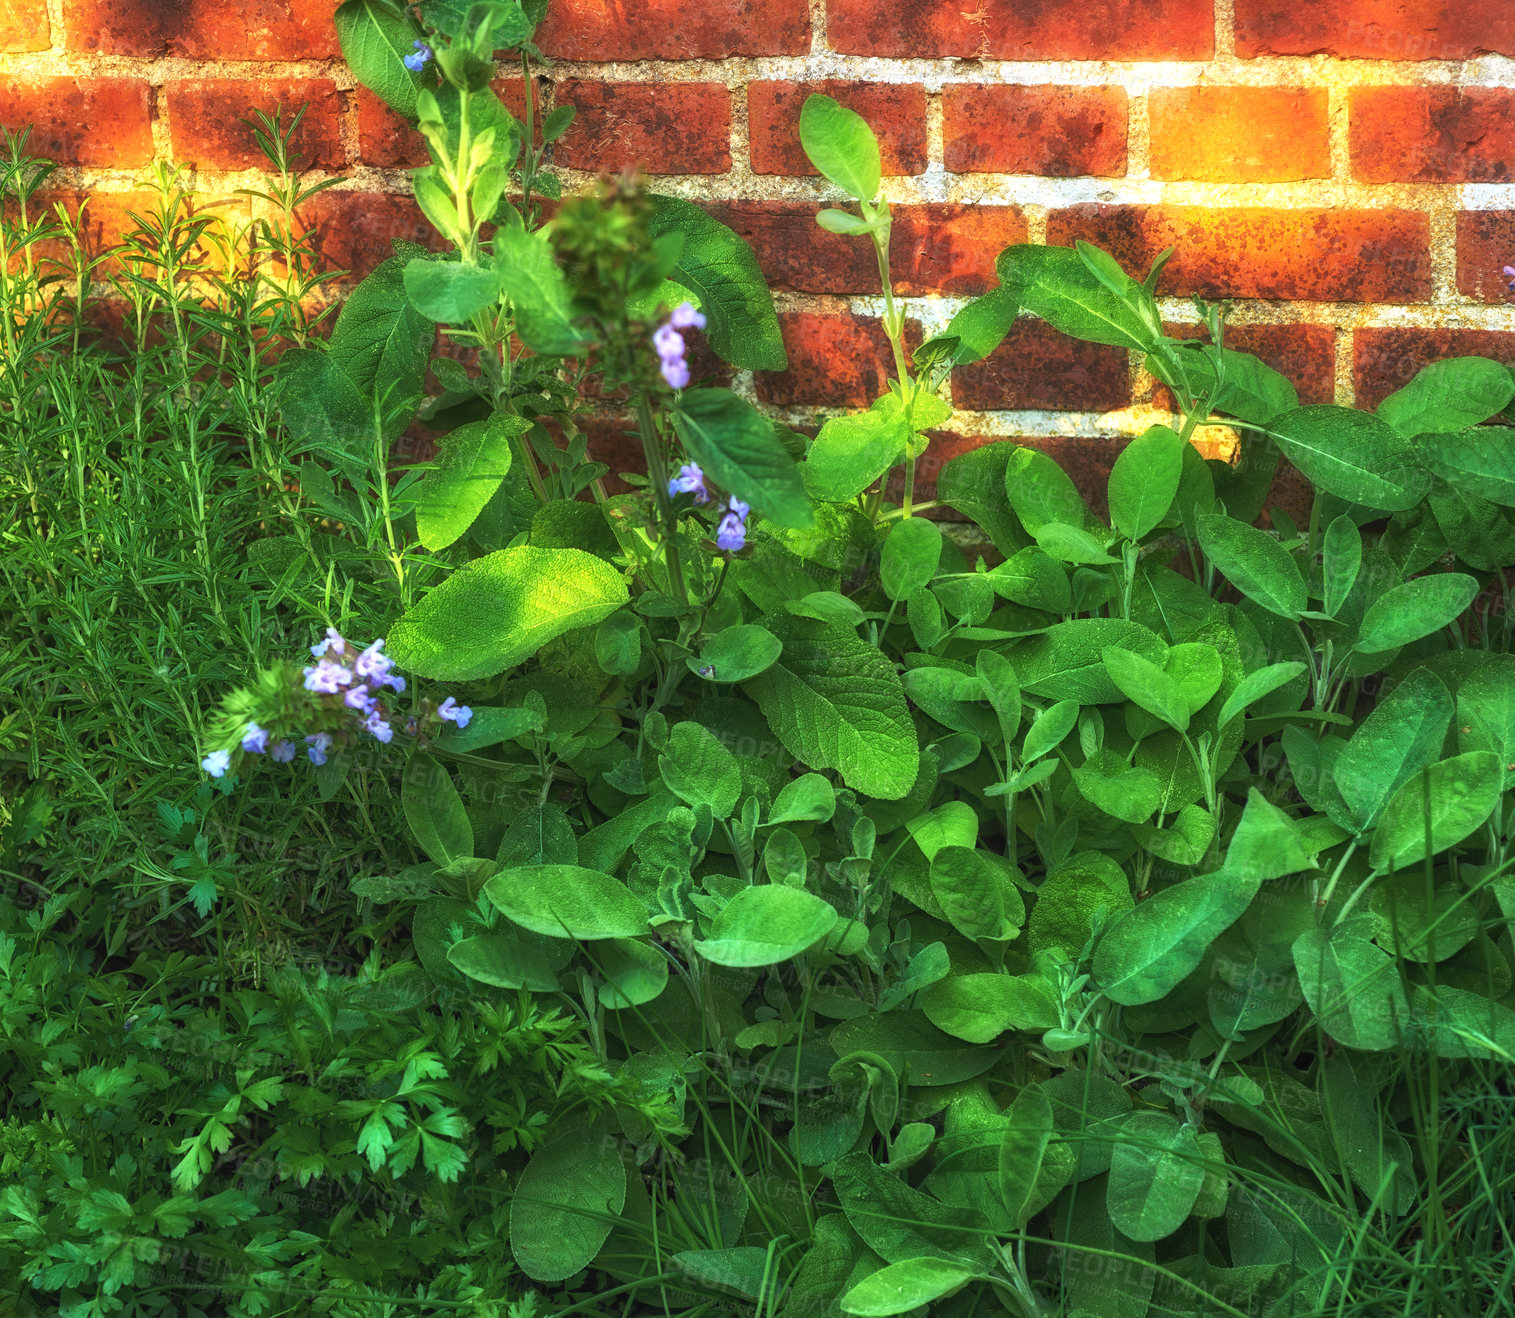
(1344, 168)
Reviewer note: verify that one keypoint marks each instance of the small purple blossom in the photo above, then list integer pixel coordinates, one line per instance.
(319, 743)
(453, 712)
(284, 752)
(1509, 272)
(418, 61)
(690, 480)
(676, 373)
(327, 678)
(731, 534)
(686, 317)
(358, 698)
(255, 739)
(671, 347)
(669, 343)
(372, 665)
(376, 724)
(707, 670)
(216, 763)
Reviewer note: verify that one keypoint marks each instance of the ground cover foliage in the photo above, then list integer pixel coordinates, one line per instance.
(806, 914)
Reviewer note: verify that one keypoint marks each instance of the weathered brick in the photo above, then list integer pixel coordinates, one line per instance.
(1384, 360)
(593, 30)
(1375, 29)
(933, 248)
(204, 117)
(203, 29)
(24, 25)
(666, 128)
(1056, 131)
(1485, 245)
(386, 141)
(1306, 354)
(352, 230)
(1432, 134)
(1024, 29)
(1305, 255)
(895, 110)
(834, 360)
(81, 121)
(1036, 367)
(1239, 134)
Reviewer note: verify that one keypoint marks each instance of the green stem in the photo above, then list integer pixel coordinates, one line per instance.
(657, 472)
(1346, 855)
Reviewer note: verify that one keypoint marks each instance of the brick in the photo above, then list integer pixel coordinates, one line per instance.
(896, 112)
(834, 360)
(1059, 132)
(1024, 29)
(933, 248)
(24, 25)
(1239, 134)
(1305, 255)
(204, 115)
(592, 30)
(81, 121)
(1305, 354)
(1485, 245)
(1432, 134)
(1384, 360)
(1375, 29)
(352, 230)
(203, 29)
(1036, 367)
(107, 221)
(386, 141)
(665, 128)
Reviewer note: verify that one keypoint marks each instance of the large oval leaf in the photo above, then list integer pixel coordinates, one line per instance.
(905, 1286)
(564, 1205)
(1144, 481)
(1449, 395)
(501, 609)
(1053, 283)
(767, 924)
(471, 463)
(1415, 609)
(736, 446)
(567, 901)
(1440, 806)
(1255, 563)
(1352, 987)
(842, 146)
(1156, 1173)
(375, 40)
(1353, 455)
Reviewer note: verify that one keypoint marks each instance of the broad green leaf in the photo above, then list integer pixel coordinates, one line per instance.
(980, 1007)
(1144, 481)
(734, 654)
(1198, 671)
(1449, 395)
(1458, 1023)
(738, 1269)
(618, 644)
(1353, 455)
(1253, 390)
(1267, 843)
(324, 411)
(1342, 561)
(839, 221)
(1001, 688)
(471, 463)
(1023, 1148)
(375, 39)
(719, 267)
(1184, 839)
(1252, 980)
(1051, 282)
(1041, 492)
(634, 973)
(974, 484)
(767, 924)
(700, 770)
(899, 1222)
(504, 961)
(951, 824)
(1156, 1174)
(1481, 460)
(1145, 684)
(851, 452)
(1127, 793)
(842, 146)
(1071, 897)
(1255, 563)
(808, 797)
(501, 609)
(450, 292)
(1441, 804)
(979, 328)
(528, 274)
(565, 1204)
(1421, 925)
(836, 702)
(1486, 713)
(905, 1286)
(1050, 727)
(383, 344)
(1478, 531)
(976, 893)
(738, 449)
(1417, 608)
(910, 557)
(434, 810)
(1352, 987)
(1072, 544)
(1149, 949)
(1405, 732)
(1030, 576)
(567, 901)
(489, 726)
(1067, 661)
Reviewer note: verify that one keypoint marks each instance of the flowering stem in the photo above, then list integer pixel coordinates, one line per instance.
(657, 472)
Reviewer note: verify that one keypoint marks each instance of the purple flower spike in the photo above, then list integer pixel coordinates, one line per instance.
(676, 372)
(419, 60)
(372, 665)
(319, 744)
(669, 343)
(742, 510)
(453, 712)
(731, 535)
(216, 763)
(358, 698)
(686, 317)
(381, 730)
(1509, 271)
(690, 480)
(284, 752)
(327, 678)
(255, 739)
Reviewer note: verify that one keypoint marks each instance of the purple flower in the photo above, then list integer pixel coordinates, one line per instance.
(453, 712)
(1509, 271)
(327, 678)
(284, 752)
(375, 724)
(418, 61)
(731, 535)
(669, 343)
(676, 372)
(358, 698)
(394, 680)
(690, 480)
(373, 666)
(255, 739)
(742, 510)
(686, 317)
(333, 642)
(319, 744)
(216, 763)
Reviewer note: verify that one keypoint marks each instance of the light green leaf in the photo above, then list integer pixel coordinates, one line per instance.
(737, 448)
(1198, 670)
(1353, 455)
(1267, 843)
(1480, 460)
(1254, 686)
(974, 484)
(851, 452)
(905, 1286)
(1255, 563)
(911, 554)
(1486, 713)
(1042, 493)
(842, 146)
(375, 39)
(450, 292)
(1047, 732)
(565, 1204)
(1462, 792)
(501, 609)
(979, 328)
(1144, 481)
(1156, 1174)
(434, 810)
(1405, 732)
(764, 925)
(1051, 282)
(1417, 608)
(634, 973)
(836, 702)
(383, 344)
(700, 770)
(504, 961)
(1352, 987)
(471, 464)
(1342, 562)
(1023, 1148)
(1449, 395)
(951, 824)
(1147, 685)
(528, 274)
(808, 797)
(567, 901)
(736, 653)
(976, 893)
(1067, 661)
(980, 1007)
